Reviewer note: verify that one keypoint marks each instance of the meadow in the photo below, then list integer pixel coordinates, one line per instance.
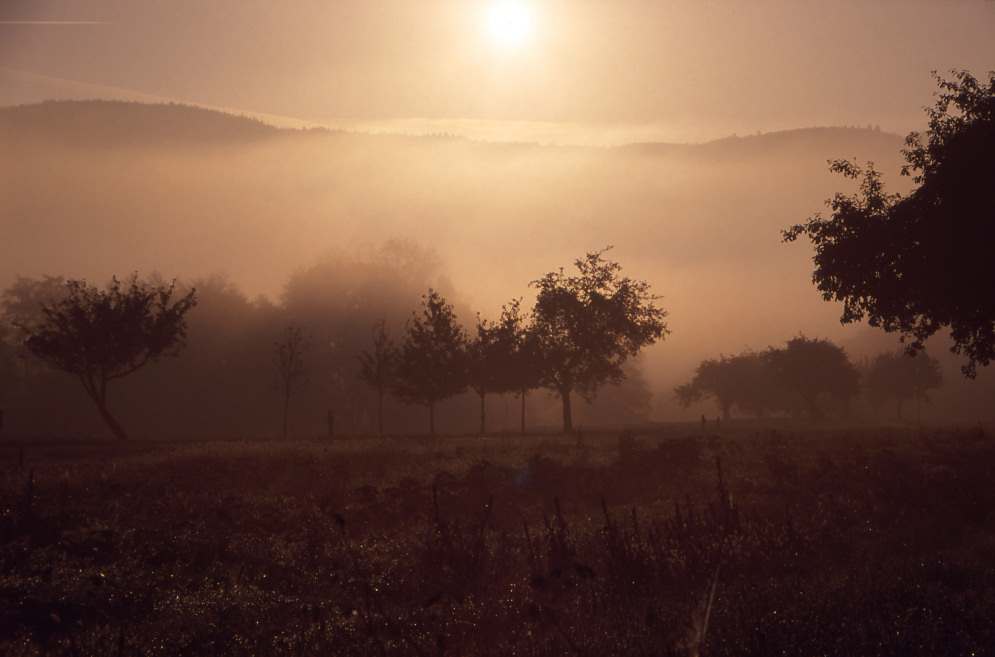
(742, 540)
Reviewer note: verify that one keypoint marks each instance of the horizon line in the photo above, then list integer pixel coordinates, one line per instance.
(57, 23)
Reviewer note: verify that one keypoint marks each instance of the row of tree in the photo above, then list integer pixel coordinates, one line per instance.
(576, 339)
(578, 335)
(799, 377)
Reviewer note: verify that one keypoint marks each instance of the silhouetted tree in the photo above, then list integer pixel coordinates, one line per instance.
(898, 375)
(290, 368)
(501, 360)
(915, 264)
(586, 326)
(745, 381)
(378, 368)
(808, 368)
(433, 359)
(485, 354)
(102, 335)
(521, 365)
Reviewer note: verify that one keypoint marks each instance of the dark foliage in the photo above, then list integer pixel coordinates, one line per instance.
(807, 369)
(918, 263)
(586, 326)
(745, 381)
(503, 357)
(900, 376)
(433, 362)
(102, 335)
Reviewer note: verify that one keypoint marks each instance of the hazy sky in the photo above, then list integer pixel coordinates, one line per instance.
(613, 70)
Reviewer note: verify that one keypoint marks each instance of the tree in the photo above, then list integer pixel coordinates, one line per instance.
(586, 326)
(918, 263)
(485, 354)
(501, 358)
(433, 359)
(900, 376)
(809, 368)
(102, 335)
(520, 367)
(378, 367)
(744, 380)
(289, 361)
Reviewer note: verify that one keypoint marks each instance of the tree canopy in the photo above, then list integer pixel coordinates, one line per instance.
(101, 335)
(432, 363)
(503, 358)
(899, 376)
(810, 368)
(744, 380)
(917, 263)
(587, 325)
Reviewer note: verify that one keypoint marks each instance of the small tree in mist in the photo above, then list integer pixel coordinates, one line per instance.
(379, 367)
(102, 335)
(501, 358)
(432, 365)
(900, 376)
(290, 368)
(586, 326)
(809, 368)
(744, 381)
(521, 365)
(484, 358)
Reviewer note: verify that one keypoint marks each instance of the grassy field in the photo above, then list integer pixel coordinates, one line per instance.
(751, 542)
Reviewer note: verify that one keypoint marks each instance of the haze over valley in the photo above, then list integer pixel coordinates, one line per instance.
(94, 189)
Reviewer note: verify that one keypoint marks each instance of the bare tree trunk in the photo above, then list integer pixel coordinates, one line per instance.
(118, 430)
(286, 411)
(380, 412)
(567, 417)
(99, 396)
(431, 419)
(523, 410)
(483, 415)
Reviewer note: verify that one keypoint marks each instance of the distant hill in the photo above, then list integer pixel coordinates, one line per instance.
(839, 139)
(89, 123)
(111, 123)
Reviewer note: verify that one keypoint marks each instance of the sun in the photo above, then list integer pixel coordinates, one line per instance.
(509, 22)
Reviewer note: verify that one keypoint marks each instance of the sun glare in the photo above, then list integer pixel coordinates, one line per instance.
(509, 22)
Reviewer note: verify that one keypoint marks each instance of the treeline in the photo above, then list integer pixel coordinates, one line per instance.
(341, 348)
(812, 377)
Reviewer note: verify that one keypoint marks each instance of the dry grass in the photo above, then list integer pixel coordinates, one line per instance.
(832, 542)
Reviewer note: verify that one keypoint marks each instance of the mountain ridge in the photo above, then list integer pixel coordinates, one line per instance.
(131, 123)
